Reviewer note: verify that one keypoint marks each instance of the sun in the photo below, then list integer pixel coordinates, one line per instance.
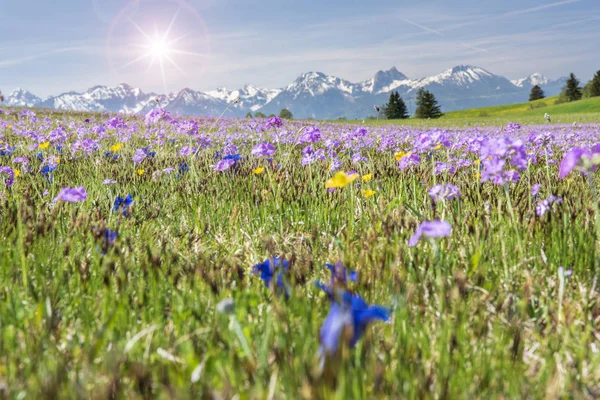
(159, 49)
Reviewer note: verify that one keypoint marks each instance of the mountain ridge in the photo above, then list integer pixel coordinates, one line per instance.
(311, 95)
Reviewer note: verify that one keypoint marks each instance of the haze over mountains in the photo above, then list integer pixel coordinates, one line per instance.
(311, 95)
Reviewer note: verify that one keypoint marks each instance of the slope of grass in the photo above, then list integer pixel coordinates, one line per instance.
(534, 108)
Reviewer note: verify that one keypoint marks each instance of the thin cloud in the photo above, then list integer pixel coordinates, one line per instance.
(539, 8)
(21, 60)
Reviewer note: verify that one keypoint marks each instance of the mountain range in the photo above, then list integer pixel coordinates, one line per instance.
(311, 95)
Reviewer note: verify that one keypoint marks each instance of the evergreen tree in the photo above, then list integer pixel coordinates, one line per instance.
(259, 114)
(572, 89)
(285, 114)
(390, 107)
(536, 93)
(595, 85)
(427, 105)
(249, 115)
(395, 108)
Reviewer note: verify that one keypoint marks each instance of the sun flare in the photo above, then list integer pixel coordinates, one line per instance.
(159, 49)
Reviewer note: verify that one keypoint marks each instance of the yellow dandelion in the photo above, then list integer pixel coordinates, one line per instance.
(17, 173)
(140, 172)
(44, 145)
(368, 193)
(477, 162)
(477, 175)
(116, 147)
(258, 171)
(367, 177)
(399, 155)
(340, 180)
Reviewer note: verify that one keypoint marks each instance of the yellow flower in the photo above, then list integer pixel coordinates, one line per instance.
(116, 147)
(477, 162)
(140, 172)
(340, 180)
(368, 193)
(44, 145)
(367, 177)
(439, 146)
(17, 172)
(400, 155)
(58, 160)
(477, 175)
(258, 171)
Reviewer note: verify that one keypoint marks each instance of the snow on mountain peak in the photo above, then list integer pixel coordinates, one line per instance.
(532, 80)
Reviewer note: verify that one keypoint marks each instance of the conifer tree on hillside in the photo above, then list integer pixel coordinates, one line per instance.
(595, 85)
(536, 93)
(572, 90)
(427, 105)
(395, 108)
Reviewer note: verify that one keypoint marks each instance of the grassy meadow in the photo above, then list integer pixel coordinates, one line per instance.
(100, 300)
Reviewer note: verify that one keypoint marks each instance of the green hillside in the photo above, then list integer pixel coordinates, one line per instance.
(534, 108)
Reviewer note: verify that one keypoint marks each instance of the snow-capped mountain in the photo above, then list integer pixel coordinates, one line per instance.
(22, 98)
(250, 97)
(311, 95)
(531, 80)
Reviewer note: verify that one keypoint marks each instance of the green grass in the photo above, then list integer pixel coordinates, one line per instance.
(477, 315)
(531, 113)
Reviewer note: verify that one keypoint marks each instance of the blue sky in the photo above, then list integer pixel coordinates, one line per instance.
(52, 47)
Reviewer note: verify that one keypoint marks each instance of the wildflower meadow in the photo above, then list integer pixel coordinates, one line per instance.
(172, 257)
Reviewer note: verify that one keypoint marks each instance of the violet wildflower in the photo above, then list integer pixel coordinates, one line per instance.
(11, 175)
(339, 278)
(263, 150)
(535, 189)
(72, 195)
(109, 182)
(442, 192)
(430, 229)
(139, 156)
(579, 158)
(546, 205)
(224, 165)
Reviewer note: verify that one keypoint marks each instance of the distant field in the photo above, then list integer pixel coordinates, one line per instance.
(583, 112)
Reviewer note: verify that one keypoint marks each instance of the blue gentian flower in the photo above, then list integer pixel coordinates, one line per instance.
(269, 268)
(183, 168)
(348, 318)
(7, 151)
(123, 204)
(339, 278)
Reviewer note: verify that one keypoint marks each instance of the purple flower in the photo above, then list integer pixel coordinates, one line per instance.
(535, 189)
(546, 205)
(45, 193)
(72, 195)
(11, 175)
(187, 151)
(157, 115)
(263, 150)
(579, 158)
(224, 165)
(139, 156)
(21, 160)
(108, 182)
(311, 134)
(274, 122)
(349, 314)
(430, 229)
(443, 192)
